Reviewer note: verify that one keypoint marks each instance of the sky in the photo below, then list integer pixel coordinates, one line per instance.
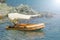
(39, 5)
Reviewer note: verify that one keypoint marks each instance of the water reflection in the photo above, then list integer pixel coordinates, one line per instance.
(35, 34)
(27, 35)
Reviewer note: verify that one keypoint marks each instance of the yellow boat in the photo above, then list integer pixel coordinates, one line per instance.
(26, 27)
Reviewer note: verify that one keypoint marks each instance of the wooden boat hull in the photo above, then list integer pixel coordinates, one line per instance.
(26, 27)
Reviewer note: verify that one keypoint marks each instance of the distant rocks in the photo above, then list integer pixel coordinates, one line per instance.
(4, 9)
(2, 1)
(25, 9)
(47, 14)
(22, 9)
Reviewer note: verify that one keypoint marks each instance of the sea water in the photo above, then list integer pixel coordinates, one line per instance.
(50, 32)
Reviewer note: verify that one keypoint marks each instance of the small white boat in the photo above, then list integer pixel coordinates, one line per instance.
(13, 16)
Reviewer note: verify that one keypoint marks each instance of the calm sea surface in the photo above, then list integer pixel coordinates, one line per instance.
(50, 32)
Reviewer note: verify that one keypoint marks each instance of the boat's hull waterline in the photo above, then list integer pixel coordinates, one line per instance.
(26, 27)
